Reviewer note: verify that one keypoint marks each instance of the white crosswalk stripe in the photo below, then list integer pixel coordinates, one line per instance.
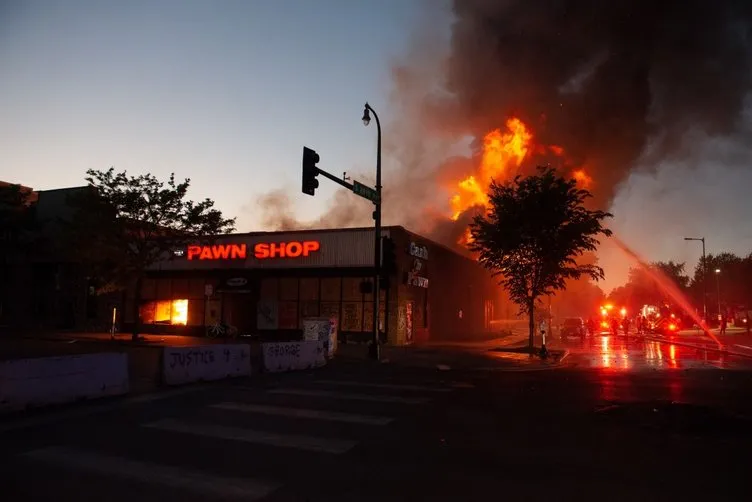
(249, 418)
(302, 442)
(174, 477)
(386, 386)
(376, 398)
(284, 411)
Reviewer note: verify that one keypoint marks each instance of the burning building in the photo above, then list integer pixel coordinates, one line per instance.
(266, 283)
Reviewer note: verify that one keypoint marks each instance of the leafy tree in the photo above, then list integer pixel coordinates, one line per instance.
(532, 234)
(731, 286)
(127, 223)
(673, 271)
(643, 286)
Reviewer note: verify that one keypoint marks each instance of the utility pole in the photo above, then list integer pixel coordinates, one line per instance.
(367, 110)
(718, 288)
(704, 278)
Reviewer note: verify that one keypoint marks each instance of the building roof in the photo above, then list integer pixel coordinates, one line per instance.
(349, 229)
(32, 195)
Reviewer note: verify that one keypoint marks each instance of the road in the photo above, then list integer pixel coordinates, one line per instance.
(668, 426)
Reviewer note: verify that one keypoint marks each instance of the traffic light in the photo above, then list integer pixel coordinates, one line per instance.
(389, 257)
(310, 171)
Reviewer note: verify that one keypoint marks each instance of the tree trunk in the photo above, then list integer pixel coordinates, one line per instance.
(137, 308)
(531, 325)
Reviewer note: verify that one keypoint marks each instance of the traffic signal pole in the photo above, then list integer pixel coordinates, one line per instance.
(310, 184)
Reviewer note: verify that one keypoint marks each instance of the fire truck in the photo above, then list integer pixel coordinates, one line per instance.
(660, 319)
(613, 319)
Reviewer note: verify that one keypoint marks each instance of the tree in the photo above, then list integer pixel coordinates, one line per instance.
(127, 223)
(532, 234)
(651, 284)
(732, 282)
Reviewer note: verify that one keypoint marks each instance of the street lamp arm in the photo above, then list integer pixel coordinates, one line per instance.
(378, 147)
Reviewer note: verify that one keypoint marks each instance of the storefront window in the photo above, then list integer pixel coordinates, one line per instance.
(331, 289)
(352, 316)
(309, 289)
(288, 315)
(288, 289)
(173, 312)
(179, 313)
(368, 316)
(351, 289)
(330, 309)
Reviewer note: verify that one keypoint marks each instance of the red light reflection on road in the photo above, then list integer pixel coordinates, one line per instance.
(672, 356)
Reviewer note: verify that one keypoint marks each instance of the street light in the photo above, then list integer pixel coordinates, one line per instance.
(704, 277)
(718, 288)
(367, 110)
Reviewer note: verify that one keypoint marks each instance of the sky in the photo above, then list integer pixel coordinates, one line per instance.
(224, 93)
(227, 93)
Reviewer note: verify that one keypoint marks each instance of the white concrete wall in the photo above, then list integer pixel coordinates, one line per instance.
(290, 356)
(51, 380)
(205, 362)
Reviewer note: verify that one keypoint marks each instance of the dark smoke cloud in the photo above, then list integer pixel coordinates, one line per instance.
(276, 212)
(621, 85)
(602, 79)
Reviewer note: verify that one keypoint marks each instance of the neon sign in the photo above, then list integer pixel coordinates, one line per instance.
(217, 252)
(261, 251)
(292, 249)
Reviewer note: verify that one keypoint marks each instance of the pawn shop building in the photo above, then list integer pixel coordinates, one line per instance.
(265, 284)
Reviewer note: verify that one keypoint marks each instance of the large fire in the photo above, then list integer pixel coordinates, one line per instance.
(503, 153)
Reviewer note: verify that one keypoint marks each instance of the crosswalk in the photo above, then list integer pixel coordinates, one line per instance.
(244, 443)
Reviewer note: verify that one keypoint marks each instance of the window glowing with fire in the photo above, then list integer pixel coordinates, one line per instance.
(174, 312)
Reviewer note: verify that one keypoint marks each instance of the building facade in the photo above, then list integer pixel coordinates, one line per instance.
(266, 283)
(41, 287)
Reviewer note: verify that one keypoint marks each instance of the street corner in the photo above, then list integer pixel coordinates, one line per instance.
(522, 359)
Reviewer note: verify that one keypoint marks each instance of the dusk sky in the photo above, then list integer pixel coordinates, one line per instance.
(223, 92)
(228, 92)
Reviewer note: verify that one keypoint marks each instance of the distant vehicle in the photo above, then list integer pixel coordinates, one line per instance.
(739, 315)
(661, 319)
(612, 319)
(573, 327)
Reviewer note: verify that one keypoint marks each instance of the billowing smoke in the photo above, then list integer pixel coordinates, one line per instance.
(604, 80)
(617, 84)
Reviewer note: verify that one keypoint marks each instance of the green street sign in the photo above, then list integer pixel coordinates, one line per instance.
(366, 192)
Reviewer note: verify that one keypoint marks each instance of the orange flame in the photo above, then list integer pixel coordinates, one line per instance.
(501, 151)
(582, 178)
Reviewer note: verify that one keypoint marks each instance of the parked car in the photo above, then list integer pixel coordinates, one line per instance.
(573, 327)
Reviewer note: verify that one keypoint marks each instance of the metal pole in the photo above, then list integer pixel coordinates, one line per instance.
(704, 282)
(377, 243)
(718, 291)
